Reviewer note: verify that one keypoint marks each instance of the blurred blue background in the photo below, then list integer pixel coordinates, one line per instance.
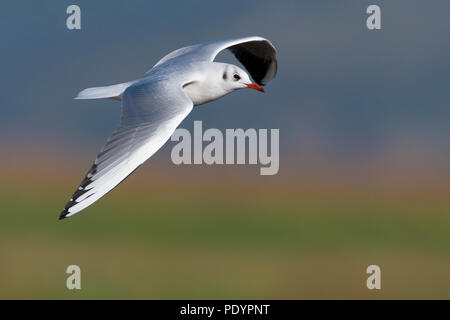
(341, 91)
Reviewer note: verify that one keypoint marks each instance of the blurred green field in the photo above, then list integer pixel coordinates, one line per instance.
(220, 237)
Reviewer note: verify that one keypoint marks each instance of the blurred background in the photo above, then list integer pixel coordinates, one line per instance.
(364, 155)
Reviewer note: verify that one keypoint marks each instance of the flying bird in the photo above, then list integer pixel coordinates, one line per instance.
(154, 105)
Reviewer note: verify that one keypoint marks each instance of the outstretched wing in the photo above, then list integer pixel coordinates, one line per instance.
(150, 114)
(257, 54)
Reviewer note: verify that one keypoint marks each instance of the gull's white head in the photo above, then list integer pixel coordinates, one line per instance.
(217, 80)
(234, 78)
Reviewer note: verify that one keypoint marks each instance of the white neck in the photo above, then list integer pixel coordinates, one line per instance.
(201, 92)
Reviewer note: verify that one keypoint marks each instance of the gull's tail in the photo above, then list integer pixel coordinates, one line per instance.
(113, 92)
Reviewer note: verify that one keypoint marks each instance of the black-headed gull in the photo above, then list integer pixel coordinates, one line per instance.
(154, 105)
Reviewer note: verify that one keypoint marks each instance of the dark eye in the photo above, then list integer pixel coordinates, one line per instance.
(236, 77)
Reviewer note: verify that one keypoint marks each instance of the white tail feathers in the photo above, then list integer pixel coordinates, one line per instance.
(113, 91)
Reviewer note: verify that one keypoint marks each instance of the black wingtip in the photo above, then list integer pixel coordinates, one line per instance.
(63, 214)
(80, 191)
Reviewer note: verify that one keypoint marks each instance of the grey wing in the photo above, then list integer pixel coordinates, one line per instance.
(257, 54)
(150, 114)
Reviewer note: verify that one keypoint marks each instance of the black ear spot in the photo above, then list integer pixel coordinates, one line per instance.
(224, 76)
